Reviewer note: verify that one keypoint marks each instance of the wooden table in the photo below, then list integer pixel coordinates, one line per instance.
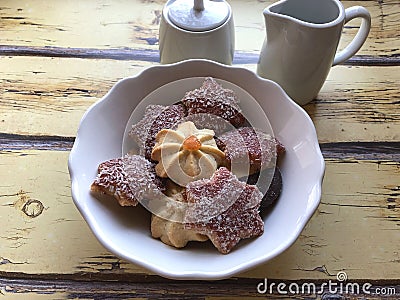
(58, 57)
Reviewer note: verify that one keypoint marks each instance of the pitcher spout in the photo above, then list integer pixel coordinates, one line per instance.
(274, 17)
(306, 12)
(273, 9)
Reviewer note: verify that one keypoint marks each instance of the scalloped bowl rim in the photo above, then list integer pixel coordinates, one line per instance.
(172, 72)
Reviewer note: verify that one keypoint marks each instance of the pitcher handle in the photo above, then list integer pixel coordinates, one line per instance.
(361, 36)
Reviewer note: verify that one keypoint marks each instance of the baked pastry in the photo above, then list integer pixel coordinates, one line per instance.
(186, 154)
(127, 179)
(249, 150)
(229, 223)
(156, 117)
(170, 232)
(174, 233)
(213, 100)
(180, 174)
(270, 188)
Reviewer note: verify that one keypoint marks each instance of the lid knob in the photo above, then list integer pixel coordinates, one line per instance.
(198, 15)
(198, 5)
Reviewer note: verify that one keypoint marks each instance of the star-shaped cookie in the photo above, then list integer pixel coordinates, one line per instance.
(238, 220)
(249, 148)
(212, 99)
(127, 179)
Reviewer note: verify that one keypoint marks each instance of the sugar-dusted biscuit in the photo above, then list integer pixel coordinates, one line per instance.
(156, 117)
(238, 221)
(127, 179)
(249, 149)
(213, 100)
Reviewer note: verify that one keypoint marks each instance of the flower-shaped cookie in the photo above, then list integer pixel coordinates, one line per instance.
(170, 232)
(174, 233)
(186, 154)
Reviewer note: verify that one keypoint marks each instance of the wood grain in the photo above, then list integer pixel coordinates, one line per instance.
(355, 104)
(150, 55)
(134, 24)
(55, 62)
(42, 233)
(34, 104)
(386, 151)
(222, 290)
(358, 104)
(119, 54)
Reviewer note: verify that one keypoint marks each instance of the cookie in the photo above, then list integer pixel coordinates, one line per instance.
(169, 232)
(127, 179)
(272, 191)
(186, 154)
(156, 118)
(173, 233)
(237, 221)
(249, 150)
(211, 99)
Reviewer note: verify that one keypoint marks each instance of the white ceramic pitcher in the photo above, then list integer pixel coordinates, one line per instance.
(301, 43)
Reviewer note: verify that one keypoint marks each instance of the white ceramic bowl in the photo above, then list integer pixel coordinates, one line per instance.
(125, 231)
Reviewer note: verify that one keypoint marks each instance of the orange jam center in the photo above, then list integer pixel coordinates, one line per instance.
(191, 143)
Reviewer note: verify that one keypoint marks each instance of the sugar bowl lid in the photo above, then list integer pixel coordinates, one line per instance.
(198, 15)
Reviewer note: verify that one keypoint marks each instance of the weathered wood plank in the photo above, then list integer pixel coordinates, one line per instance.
(119, 54)
(355, 104)
(153, 55)
(56, 86)
(358, 104)
(355, 229)
(134, 24)
(362, 150)
(42, 142)
(222, 290)
(388, 151)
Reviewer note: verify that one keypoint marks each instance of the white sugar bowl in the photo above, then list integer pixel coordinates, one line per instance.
(196, 29)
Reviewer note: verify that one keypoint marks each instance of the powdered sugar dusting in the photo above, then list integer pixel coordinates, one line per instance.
(212, 98)
(127, 179)
(139, 131)
(239, 220)
(142, 178)
(156, 117)
(249, 145)
(112, 180)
